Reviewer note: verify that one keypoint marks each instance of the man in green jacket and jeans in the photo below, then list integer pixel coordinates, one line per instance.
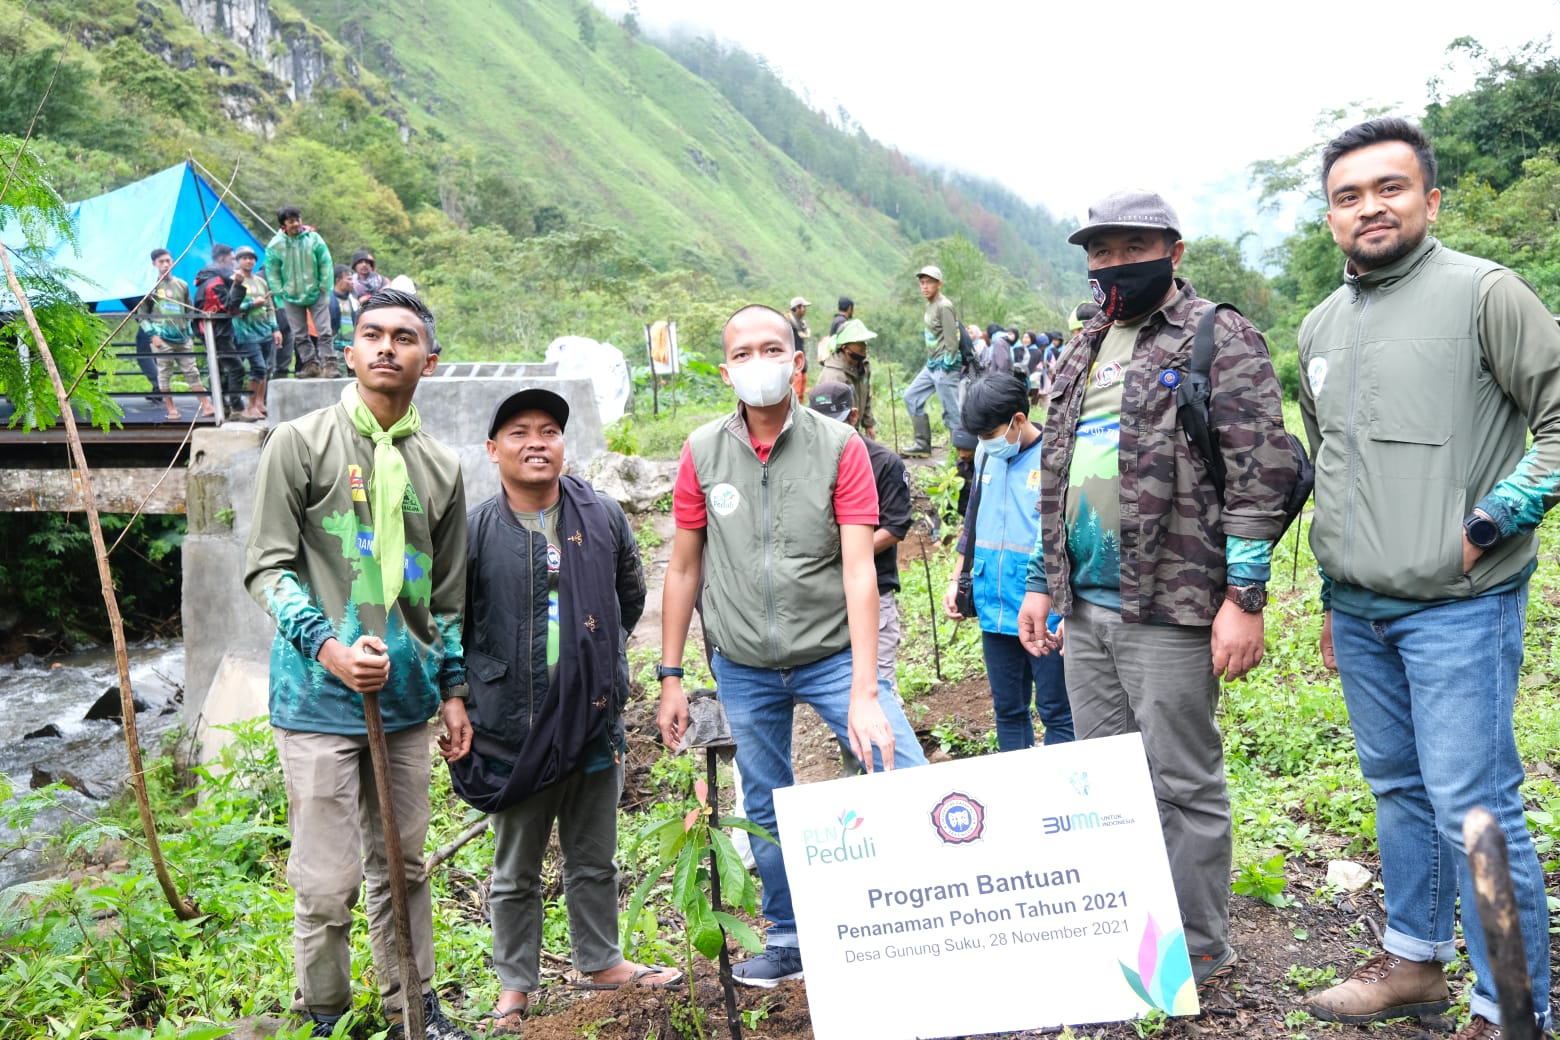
(358, 551)
(1421, 377)
(299, 271)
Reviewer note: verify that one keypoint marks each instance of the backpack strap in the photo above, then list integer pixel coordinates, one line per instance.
(1193, 394)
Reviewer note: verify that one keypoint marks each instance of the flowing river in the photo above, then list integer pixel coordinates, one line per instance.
(39, 692)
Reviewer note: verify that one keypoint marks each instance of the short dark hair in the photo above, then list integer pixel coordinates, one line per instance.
(790, 336)
(1379, 131)
(388, 297)
(342, 271)
(220, 250)
(286, 213)
(992, 400)
(846, 303)
(160, 251)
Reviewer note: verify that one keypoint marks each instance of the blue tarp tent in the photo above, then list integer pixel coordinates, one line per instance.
(116, 233)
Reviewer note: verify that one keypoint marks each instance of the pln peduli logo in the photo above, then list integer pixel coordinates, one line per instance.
(839, 842)
(958, 818)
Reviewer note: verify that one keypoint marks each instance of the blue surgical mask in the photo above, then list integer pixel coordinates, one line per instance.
(999, 447)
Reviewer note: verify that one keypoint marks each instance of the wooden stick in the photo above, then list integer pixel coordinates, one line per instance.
(733, 1020)
(400, 909)
(1501, 923)
(474, 831)
(185, 909)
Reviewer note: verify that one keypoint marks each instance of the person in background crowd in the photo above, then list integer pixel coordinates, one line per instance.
(255, 331)
(1421, 378)
(1000, 528)
(165, 315)
(849, 365)
(847, 311)
(803, 336)
(220, 289)
(298, 269)
(344, 308)
(366, 279)
(944, 367)
(838, 401)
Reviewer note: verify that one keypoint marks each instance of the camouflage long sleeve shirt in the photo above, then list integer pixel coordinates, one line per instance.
(1173, 532)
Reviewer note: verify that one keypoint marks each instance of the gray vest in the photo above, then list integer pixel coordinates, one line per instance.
(1415, 430)
(774, 581)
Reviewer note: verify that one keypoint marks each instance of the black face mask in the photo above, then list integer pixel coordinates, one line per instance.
(1130, 290)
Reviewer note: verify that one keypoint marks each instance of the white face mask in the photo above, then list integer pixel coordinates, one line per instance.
(760, 383)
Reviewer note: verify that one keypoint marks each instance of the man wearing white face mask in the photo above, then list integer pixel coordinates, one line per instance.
(775, 508)
(999, 530)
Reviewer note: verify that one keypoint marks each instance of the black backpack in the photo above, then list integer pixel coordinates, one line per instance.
(967, 347)
(1191, 399)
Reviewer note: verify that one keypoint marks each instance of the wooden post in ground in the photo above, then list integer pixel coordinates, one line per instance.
(1501, 923)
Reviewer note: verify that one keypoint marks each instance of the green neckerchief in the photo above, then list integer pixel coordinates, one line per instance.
(386, 488)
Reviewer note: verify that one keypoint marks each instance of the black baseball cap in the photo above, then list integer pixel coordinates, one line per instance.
(832, 399)
(531, 398)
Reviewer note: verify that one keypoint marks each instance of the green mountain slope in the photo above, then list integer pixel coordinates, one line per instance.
(618, 134)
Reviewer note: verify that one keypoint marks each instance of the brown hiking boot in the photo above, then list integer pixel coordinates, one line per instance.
(1478, 1028)
(1384, 987)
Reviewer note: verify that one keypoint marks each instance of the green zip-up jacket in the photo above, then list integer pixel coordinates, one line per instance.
(1419, 383)
(298, 267)
(309, 563)
(774, 578)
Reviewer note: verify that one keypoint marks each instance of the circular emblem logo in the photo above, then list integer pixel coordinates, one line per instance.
(1107, 374)
(724, 499)
(554, 558)
(958, 818)
(1316, 374)
(1170, 378)
(1096, 291)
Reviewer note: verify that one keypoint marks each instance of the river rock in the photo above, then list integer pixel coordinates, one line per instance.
(634, 483)
(51, 730)
(42, 777)
(108, 706)
(1347, 875)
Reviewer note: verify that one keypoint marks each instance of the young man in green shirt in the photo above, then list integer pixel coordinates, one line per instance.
(358, 551)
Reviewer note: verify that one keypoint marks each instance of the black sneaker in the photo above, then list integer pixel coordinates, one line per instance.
(435, 1025)
(324, 1025)
(770, 968)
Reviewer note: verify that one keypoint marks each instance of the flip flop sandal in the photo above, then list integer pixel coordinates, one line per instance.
(499, 1026)
(633, 980)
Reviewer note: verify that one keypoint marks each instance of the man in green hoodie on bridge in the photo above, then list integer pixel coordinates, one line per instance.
(300, 273)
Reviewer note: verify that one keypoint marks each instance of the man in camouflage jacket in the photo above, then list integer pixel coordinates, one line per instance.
(1161, 587)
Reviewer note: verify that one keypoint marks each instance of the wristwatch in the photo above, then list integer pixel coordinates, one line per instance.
(663, 672)
(1250, 598)
(1481, 530)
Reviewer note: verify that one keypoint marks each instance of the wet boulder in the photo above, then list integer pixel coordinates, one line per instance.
(108, 707)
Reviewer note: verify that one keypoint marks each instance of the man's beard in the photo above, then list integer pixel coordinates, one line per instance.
(1367, 258)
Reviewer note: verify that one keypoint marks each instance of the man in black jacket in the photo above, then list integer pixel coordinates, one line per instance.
(554, 585)
(219, 289)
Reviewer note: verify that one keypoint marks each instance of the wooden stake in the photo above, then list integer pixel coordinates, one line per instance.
(400, 911)
(1501, 923)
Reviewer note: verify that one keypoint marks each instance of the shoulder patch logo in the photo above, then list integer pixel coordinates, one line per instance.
(724, 499)
(1316, 374)
(355, 480)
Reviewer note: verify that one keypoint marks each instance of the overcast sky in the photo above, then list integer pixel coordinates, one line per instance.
(1065, 101)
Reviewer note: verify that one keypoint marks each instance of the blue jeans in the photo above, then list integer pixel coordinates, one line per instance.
(944, 384)
(759, 703)
(1430, 700)
(1019, 679)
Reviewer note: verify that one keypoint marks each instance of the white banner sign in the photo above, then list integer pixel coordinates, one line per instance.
(1007, 892)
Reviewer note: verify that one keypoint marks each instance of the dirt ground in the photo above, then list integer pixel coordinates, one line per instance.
(1277, 947)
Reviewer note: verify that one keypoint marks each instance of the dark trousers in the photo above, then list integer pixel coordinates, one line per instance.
(1021, 683)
